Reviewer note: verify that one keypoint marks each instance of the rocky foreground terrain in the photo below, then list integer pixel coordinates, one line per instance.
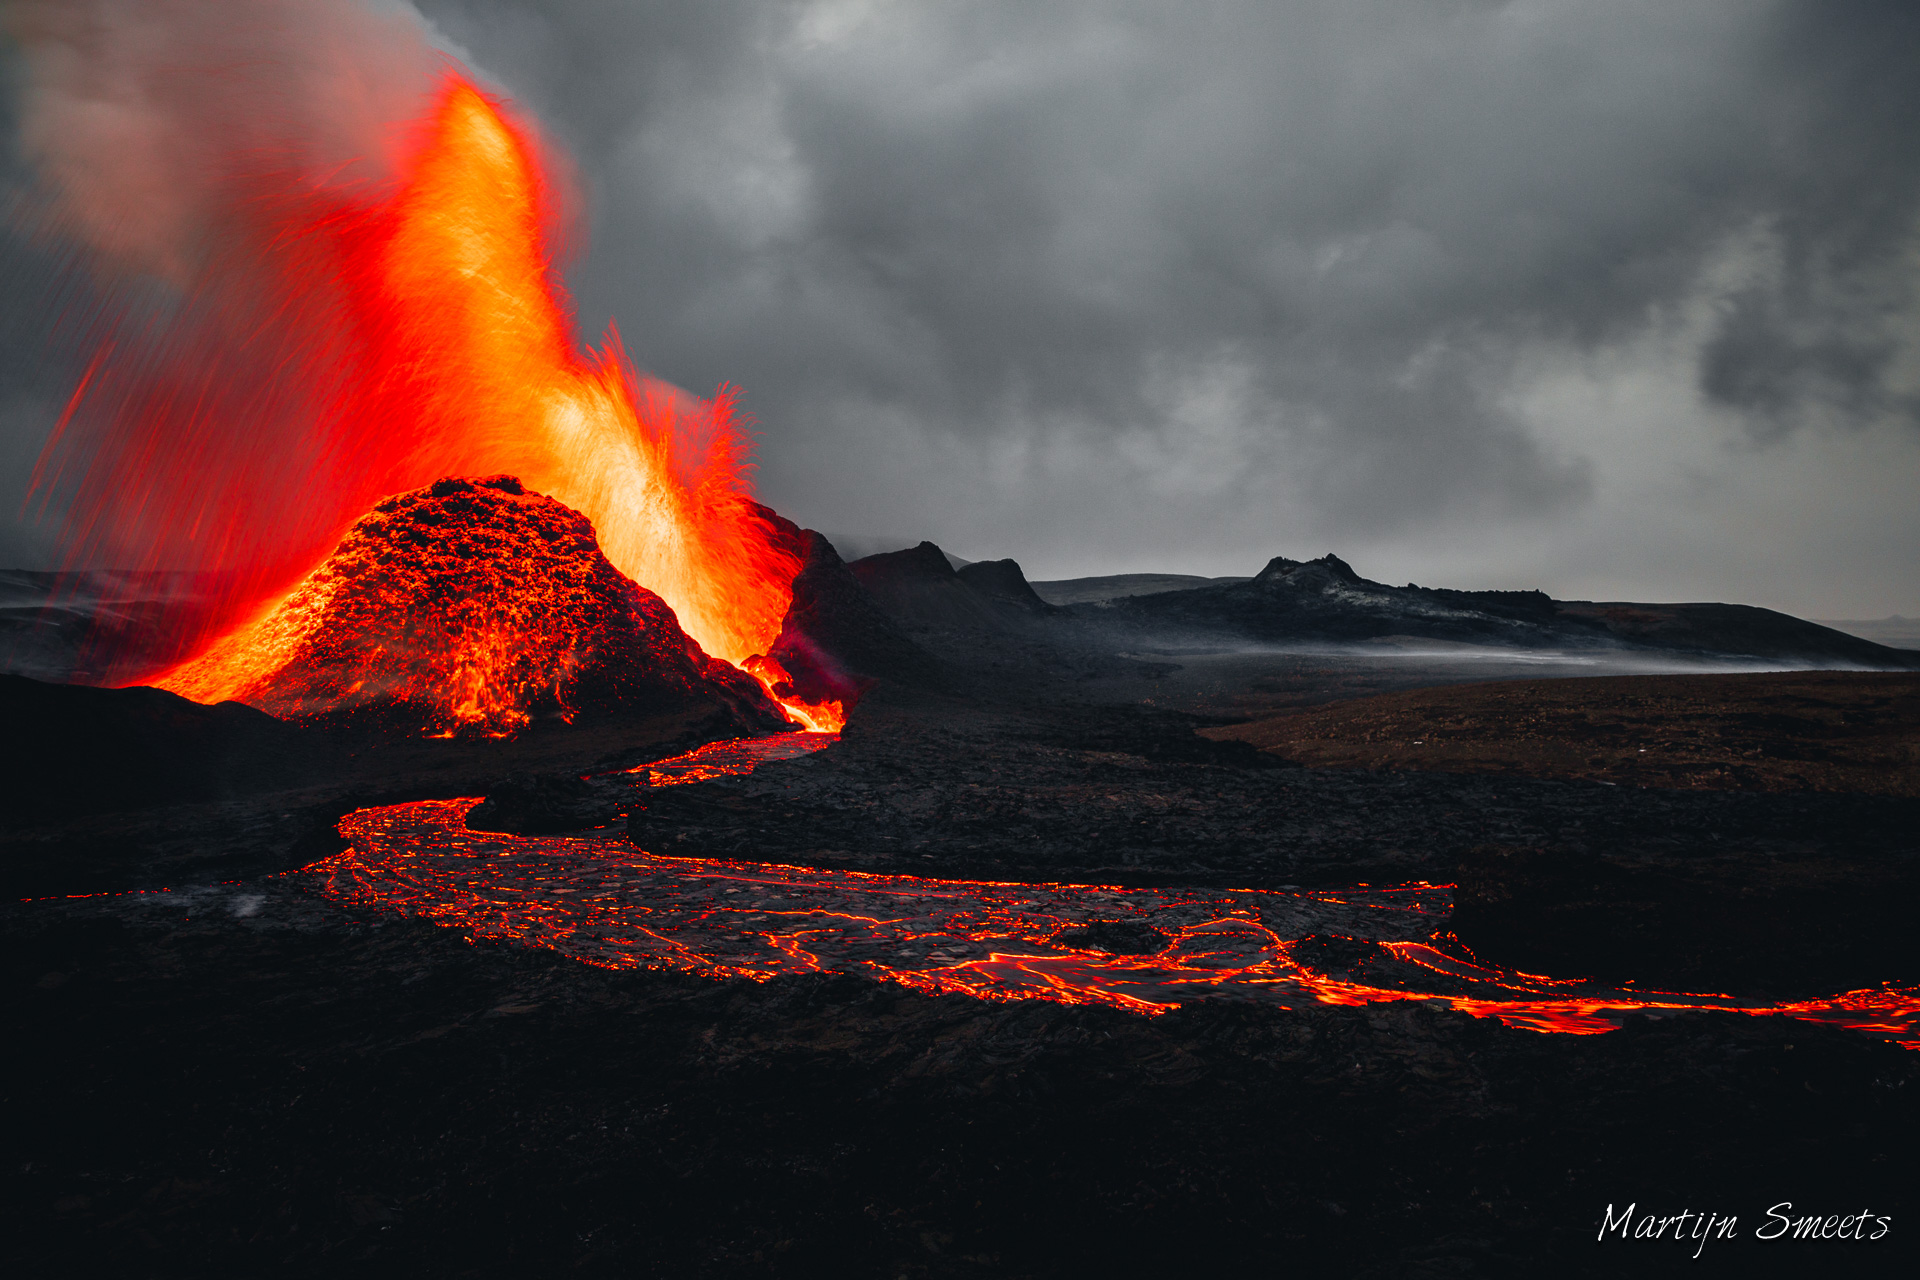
(242, 1078)
(217, 1070)
(1804, 731)
(242, 1082)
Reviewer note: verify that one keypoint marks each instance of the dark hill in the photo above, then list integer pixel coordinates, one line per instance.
(116, 749)
(1291, 601)
(1323, 599)
(920, 588)
(1731, 628)
(985, 623)
(1114, 586)
(1003, 581)
(837, 640)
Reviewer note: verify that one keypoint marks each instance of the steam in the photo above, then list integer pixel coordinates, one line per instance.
(145, 118)
(169, 142)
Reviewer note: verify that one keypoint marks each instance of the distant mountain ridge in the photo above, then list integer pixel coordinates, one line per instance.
(924, 589)
(1114, 586)
(1327, 600)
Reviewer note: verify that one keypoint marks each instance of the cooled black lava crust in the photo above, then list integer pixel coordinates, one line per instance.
(292, 1092)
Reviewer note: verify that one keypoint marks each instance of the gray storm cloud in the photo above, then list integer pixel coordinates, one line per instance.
(1608, 299)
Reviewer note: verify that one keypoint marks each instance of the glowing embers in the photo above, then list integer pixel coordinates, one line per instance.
(602, 901)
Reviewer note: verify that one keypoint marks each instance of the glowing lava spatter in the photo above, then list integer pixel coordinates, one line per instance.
(601, 900)
(467, 608)
(398, 337)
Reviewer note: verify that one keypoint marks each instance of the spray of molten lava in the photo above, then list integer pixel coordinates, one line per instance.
(426, 335)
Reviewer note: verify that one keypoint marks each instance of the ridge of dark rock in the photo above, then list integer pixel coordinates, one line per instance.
(1282, 570)
(924, 562)
(1327, 600)
(117, 749)
(1728, 628)
(919, 588)
(1003, 581)
(836, 640)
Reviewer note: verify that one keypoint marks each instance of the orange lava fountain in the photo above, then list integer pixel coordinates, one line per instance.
(427, 336)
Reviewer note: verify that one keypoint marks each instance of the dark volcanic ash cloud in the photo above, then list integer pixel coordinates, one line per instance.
(1609, 299)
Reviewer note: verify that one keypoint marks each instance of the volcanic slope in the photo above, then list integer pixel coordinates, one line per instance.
(1114, 586)
(921, 588)
(836, 640)
(988, 627)
(468, 607)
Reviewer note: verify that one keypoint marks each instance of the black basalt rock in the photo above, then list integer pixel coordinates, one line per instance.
(918, 587)
(538, 804)
(1752, 920)
(836, 640)
(81, 750)
(1281, 571)
(1002, 580)
(1116, 937)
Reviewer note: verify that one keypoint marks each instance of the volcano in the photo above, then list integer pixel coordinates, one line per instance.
(498, 936)
(470, 607)
(358, 340)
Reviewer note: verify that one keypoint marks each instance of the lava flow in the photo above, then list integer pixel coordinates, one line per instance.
(601, 900)
(401, 334)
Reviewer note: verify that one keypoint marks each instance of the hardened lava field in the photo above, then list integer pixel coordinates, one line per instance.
(609, 903)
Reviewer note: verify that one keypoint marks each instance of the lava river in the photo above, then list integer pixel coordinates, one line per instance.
(599, 899)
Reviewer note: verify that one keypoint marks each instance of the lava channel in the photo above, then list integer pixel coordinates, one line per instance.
(598, 899)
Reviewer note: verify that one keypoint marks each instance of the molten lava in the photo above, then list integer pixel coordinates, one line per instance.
(465, 607)
(603, 901)
(490, 372)
(353, 343)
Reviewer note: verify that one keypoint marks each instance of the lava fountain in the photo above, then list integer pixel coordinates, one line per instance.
(422, 332)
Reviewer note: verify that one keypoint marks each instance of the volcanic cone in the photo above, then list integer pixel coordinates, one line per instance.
(469, 607)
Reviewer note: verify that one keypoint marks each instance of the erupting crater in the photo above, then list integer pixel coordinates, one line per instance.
(468, 607)
(356, 339)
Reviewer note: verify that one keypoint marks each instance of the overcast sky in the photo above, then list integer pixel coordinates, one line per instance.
(1619, 300)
